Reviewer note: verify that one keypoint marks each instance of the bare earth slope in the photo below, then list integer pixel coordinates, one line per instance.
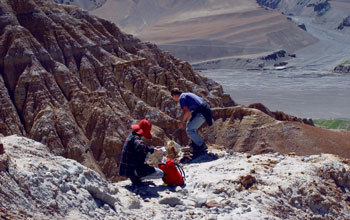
(201, 30)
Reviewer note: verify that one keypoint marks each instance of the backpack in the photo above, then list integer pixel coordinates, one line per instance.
(173, 173)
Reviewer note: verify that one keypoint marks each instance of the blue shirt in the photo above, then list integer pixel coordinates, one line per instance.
(190, 100)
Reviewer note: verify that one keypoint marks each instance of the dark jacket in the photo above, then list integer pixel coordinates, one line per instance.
(204, 109)
(133, 157)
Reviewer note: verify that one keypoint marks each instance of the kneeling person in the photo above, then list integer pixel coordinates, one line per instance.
(134, 154)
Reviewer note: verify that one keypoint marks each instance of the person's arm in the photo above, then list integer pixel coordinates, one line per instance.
(141, 147)
(186, 115)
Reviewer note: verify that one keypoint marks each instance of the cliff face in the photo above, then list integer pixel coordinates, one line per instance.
(76, 83)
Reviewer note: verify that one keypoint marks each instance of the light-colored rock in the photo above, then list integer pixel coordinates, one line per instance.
(135, 204)
(298, 187)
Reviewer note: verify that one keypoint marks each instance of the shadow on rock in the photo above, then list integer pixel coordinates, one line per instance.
(150, 190)
(206, 157)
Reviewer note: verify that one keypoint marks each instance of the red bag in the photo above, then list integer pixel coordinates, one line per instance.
(172, 176)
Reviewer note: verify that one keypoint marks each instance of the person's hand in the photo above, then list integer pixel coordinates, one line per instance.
(158, 148)
(182, 125)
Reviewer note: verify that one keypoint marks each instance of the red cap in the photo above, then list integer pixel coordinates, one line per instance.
(143, 128)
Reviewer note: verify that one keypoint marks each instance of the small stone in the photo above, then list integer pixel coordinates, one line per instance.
(200, 202)
(135, 204)
(178, 189)
(248, 209)
(53, 204)
(181, 207)
(244, 205)
(171, 201)
(227, 202)
(64, 187)
(106, 207)
(213, 203)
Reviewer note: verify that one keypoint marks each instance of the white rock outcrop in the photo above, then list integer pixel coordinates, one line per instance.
(37, 185)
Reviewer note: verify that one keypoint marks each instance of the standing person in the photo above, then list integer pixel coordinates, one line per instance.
(132, 163)
(195, 112)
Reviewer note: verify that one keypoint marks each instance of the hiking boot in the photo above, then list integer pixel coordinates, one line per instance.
(186, 158)
(136, 182)
(189, 157)
(189, 147)
(198, 154)
(199, 149)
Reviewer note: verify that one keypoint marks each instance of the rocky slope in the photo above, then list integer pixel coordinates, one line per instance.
(76, 83)
(38, 185)
(219, 29)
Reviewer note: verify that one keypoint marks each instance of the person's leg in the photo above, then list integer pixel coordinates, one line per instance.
(156, 175)
(191, 129)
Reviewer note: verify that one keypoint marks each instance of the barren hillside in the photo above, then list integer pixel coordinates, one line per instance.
(202, 30)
